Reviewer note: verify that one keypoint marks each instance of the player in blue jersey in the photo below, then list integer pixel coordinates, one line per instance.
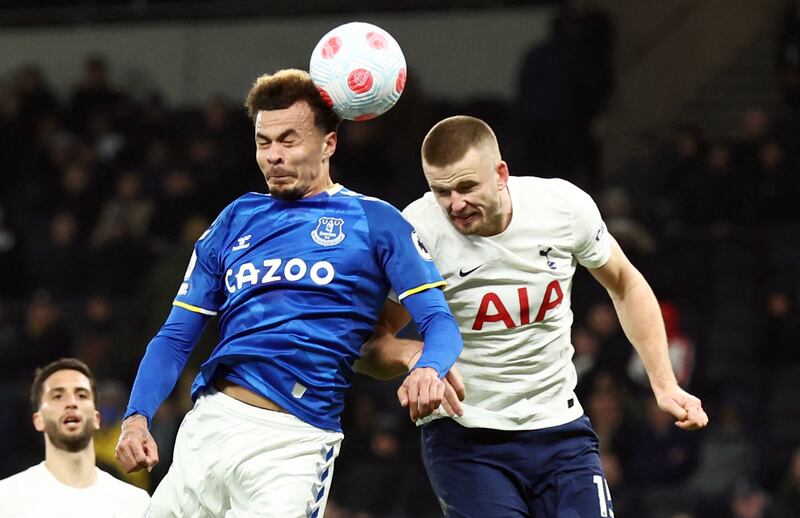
(297, 278)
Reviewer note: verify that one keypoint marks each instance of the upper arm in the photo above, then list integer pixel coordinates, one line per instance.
(393, 317)
(617, 272)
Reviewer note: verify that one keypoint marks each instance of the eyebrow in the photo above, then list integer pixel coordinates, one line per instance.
(283, 135)
(63, 389)
(461, 184)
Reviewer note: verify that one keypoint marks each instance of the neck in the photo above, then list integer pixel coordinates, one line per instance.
(320, 188)
(502, 218)
(74, 469)
(506, 209)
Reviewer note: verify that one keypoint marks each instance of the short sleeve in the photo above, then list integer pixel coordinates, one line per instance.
(202, 289)
(592, 246)
(405, 258)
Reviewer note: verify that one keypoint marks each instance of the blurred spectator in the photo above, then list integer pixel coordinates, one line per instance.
(13, 270)
(789, 54)
(586, 350)
(776, 182)
(661, 455)
(36, 98)
(788, 500)
(749, 501)
(780, 342)
(61, 264)
(44, 338)
(94, 95)
(624, 495)
(177, 201)
(682, 165)
(128, 211)
(633, 237)
(756, 125)
(720, 197)
(726, 456)
(615, 350)
(564, 83)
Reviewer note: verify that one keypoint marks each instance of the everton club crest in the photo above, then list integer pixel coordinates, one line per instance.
(328, 232)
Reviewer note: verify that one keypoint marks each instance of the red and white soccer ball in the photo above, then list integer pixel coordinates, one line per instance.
(359, 70)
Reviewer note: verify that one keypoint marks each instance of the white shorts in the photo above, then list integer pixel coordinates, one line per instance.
(235, 460)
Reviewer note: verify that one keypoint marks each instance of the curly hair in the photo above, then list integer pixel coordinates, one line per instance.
(282, 89)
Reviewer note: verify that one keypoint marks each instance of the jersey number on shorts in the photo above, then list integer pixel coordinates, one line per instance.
(603, 496)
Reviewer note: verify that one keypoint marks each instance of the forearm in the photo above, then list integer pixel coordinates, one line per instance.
(442, 342)
(164, 361)
(384, 356)
(640, 317)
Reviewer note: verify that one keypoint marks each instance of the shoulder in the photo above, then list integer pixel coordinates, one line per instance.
(21, 476)
(23, 482)
(426, 215)
(376, 210)
(546, 187)
(246, 202)
(120, 489)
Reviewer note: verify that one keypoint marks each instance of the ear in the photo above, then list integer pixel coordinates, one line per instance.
(329, 145)
(502, 175)
(38, 421)
(97, 420)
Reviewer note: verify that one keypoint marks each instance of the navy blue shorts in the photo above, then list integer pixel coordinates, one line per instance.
(549, 473)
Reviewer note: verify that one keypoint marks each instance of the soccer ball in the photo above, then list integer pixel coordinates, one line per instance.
(359, 70)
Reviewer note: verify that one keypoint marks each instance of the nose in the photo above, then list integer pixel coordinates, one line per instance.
(457, 202)
(274, 155)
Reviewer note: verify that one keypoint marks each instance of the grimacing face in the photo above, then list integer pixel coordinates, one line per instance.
(292, 153)
(67, 414)
(471, 190)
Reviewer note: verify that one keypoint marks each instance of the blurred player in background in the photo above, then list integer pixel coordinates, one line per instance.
(297, 277)
(508, 248)
(67, 483)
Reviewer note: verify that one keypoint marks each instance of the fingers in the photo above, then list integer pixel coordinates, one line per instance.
(695, 418)
(686, 408)
(402, 395)
(452, 401)
(455, 380)
(136, 450)
(422, 391)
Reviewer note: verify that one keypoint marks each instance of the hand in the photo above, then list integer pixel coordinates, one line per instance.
(422, 392)
(686, 408)
(136, 448)
(454, 393)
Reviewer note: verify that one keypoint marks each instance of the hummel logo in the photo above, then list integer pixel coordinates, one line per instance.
(462, 273)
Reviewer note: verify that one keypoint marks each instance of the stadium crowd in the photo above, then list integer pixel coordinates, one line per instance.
(102, 196)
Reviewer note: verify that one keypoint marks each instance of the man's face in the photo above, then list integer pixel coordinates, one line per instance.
(67, 414)
(470, 191)
(292, 152)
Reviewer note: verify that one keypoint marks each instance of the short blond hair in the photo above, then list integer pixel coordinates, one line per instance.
(282, 89)
(450, 139)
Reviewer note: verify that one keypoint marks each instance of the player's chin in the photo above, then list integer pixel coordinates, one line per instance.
(466, 225)
(285, 190)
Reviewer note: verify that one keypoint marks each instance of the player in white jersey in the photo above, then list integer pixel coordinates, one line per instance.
(508, 249)
(67, 483)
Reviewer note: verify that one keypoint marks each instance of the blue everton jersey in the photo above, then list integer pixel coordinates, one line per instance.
(298, 286)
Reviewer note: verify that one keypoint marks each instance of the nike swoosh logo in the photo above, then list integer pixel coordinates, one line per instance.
(462, 273)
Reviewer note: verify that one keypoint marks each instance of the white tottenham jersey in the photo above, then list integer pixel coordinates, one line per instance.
(510, 294)
(36, 493)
